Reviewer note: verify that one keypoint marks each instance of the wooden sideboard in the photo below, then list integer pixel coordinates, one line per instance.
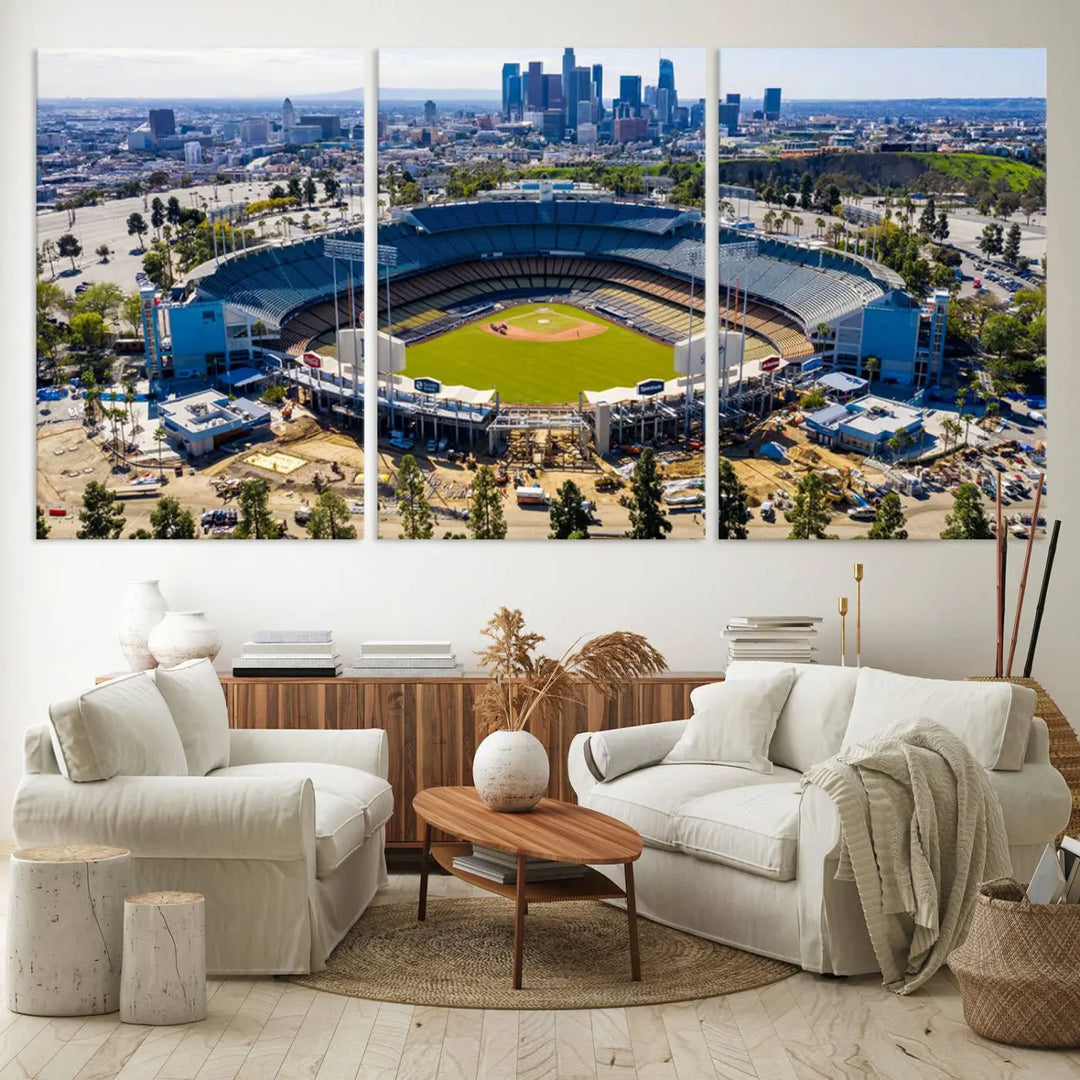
(432, 728)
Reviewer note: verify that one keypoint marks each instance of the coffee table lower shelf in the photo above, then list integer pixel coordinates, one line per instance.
(592, 886)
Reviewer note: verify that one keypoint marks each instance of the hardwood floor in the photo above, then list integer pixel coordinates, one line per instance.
(804, 1028)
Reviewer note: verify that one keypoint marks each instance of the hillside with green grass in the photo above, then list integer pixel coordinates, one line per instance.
(964, 168)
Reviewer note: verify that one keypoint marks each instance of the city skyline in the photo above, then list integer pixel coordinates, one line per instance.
(871, 74)
(450, 69)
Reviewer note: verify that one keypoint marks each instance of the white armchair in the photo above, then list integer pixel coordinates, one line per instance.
(286, 842)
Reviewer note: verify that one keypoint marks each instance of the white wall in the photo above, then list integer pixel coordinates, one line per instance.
(928, 606)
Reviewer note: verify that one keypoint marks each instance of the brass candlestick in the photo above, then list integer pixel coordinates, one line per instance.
(858, 614)
(841, 607)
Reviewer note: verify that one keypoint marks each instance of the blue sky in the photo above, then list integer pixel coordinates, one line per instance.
(884, 73)
(802, 73)
(482, 68)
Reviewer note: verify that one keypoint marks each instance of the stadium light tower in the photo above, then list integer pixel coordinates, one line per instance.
(696, 258)
(353, 251)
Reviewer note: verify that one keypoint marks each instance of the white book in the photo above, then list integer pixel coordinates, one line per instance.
(376, 662)
(772, 633)
(269, 636)
(1047, 883)
(406, 648)
(287, 648)
(774, 620)
(284, 662)
(455, 672)
(1070, 845)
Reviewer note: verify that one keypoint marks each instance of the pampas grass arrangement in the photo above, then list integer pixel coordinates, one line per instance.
(524, 685)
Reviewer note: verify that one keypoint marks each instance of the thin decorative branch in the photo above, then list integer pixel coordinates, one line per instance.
(523, 685)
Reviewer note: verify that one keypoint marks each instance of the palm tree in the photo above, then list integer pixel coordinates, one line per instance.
(48, 249)
(159, 435)
(129, 400)
(819, 223)
(967, 418)
(797, 223)
(92, 395)
(768, 221)
(785, 217)
(871, 366)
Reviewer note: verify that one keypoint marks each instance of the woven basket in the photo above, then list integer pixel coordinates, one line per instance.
(1019, 969)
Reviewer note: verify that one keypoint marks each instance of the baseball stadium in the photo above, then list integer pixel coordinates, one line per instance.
(542, 308)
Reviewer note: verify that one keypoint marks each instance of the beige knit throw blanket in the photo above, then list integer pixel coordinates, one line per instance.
(921, 830)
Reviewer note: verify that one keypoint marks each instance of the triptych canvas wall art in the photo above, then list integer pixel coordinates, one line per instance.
(565, 323)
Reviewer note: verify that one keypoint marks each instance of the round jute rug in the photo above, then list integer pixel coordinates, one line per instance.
(576, 957)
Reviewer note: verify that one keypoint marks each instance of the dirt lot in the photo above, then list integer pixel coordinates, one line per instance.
(62, 476)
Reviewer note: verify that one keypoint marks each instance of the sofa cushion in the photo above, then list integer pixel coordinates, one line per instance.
(733, 722)
(340, 828)
(811, 725)
(122, 727)
(754, 828)
(992, 719)
(193, 693)
(651, 800)
(369, 794)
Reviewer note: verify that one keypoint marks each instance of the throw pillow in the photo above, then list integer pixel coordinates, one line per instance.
(733, 722)
(992, 719)
(122, 727)
(193, 693)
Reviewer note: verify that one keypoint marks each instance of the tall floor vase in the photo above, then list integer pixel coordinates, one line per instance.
(144, 608)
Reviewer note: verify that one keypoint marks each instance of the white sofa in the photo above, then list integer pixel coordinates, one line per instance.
(284, 835)
(749, 859)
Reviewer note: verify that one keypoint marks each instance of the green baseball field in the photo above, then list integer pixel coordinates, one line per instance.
(540, 353)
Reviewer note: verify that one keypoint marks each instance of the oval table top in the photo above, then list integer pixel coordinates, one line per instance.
(553, 830)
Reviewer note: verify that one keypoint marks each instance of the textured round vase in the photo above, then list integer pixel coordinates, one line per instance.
(510, 770)
(144, 608)
(184, 635)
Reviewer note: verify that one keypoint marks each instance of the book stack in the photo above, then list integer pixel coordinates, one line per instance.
(787, 639)
(1057, 877)
(404, 659)
(288, 654)
(501, 866)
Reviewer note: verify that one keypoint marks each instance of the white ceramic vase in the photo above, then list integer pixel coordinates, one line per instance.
(510, 770)
(144, 607)
(184, 635)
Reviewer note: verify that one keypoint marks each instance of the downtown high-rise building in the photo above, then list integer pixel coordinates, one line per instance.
(772, 103)
(666, 97)
(569, 64)
(162, 123)
(511, 73)
(431, 113)
(553, 94)
(598, 90)
(630, 92)
(729, 113)
(534, 90)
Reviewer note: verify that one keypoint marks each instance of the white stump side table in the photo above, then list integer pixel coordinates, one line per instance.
(164, 979)
(65, 929)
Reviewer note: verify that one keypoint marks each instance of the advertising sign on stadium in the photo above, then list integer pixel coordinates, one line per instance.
(770, 363)
(312, 359)
(427, 386)
(650, 386)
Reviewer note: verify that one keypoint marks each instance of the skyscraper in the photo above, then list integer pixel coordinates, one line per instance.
(553, 93)
(772, 103)
(666, 81)
(514, 97)
(430, 113)
(162, 123)
(568, 65)
(577, 86)
(535, 89)
(598, 90)
(509, 71)
(630, 92)
(729, 113)
(288, 120)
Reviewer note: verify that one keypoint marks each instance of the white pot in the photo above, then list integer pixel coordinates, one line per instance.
(510, 770)
(184, 635)
(144, 607)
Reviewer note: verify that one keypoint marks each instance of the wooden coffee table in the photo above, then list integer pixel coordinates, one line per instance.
(552, 830)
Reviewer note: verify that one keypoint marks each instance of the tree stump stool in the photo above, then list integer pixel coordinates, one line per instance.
(164, 980)
(65, 929)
